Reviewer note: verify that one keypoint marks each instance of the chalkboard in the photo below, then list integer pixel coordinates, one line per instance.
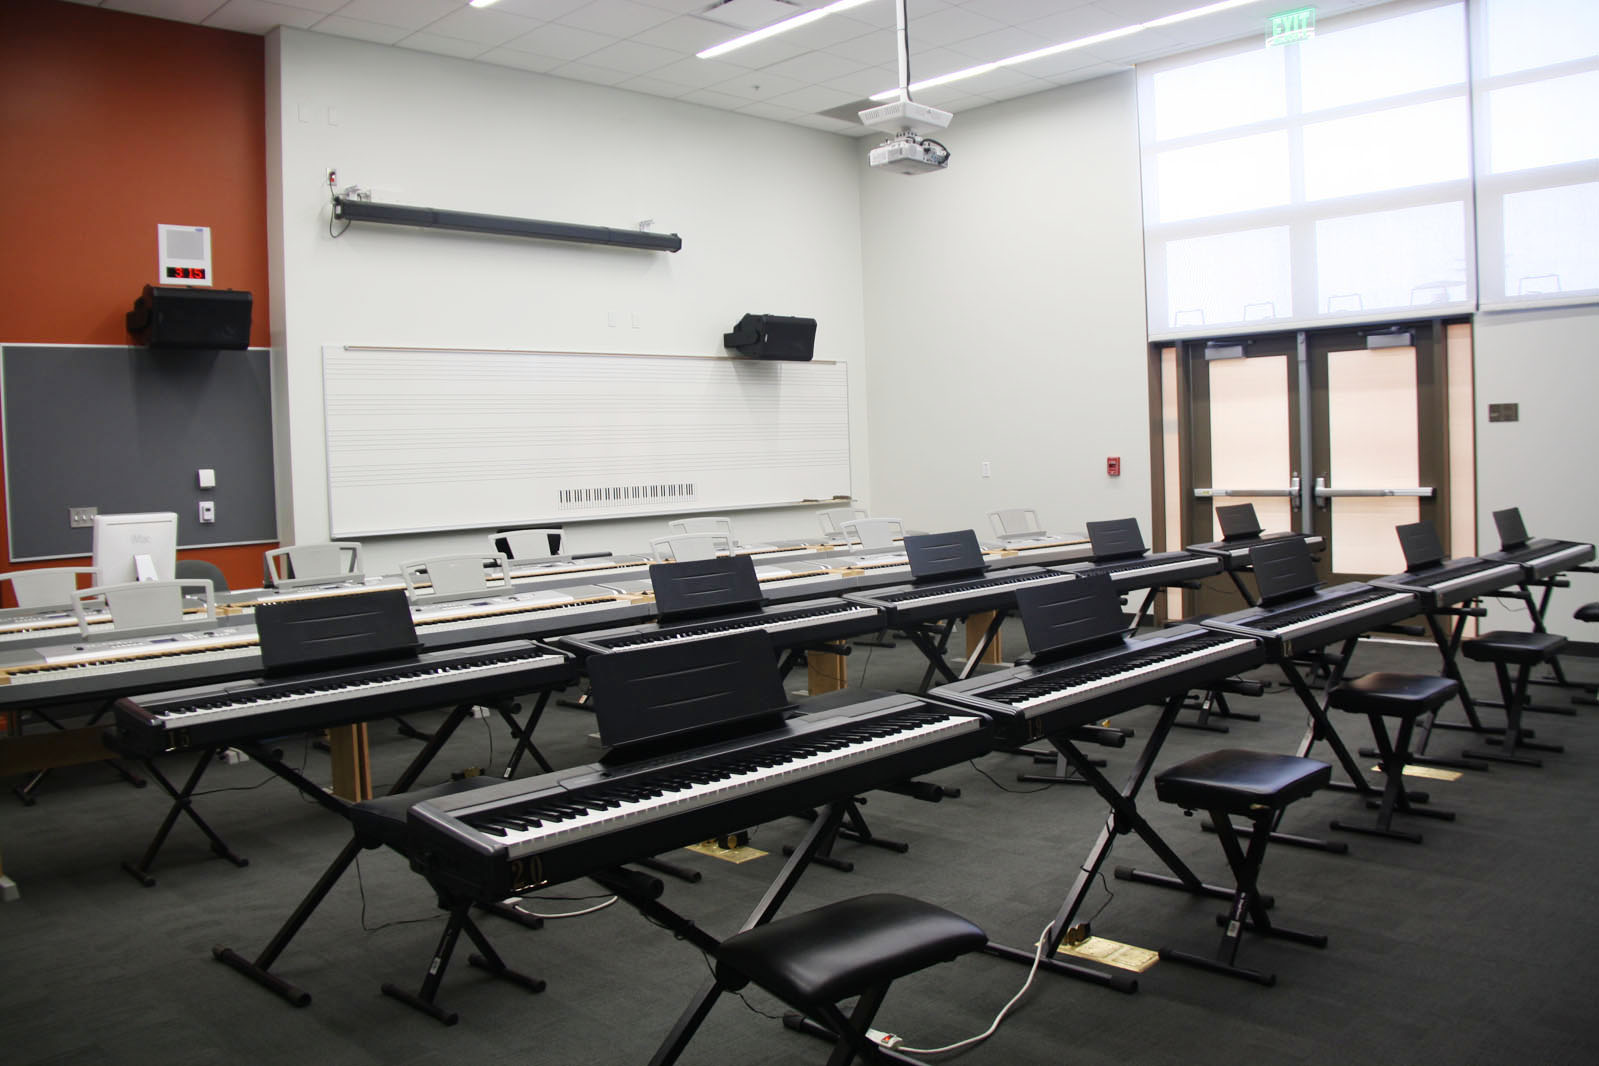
(427, 439)
(126, 429)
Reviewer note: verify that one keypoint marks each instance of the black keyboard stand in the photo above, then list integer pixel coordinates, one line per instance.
(1123, 818)
(182, 804)
(27, 791)
(1212, 703)
(1448, 643)
(1537, 606)
(852, 827)
(523, 733)
(932, 639)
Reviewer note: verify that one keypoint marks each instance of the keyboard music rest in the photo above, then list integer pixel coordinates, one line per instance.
(220, 715)
(1030, 701)
(528, 614)
(489, 848)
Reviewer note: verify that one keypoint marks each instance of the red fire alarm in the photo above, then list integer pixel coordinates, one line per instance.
(1113, 466)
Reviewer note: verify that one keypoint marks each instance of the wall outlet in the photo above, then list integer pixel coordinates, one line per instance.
(82, 517)
(208, 512)
(987, 470)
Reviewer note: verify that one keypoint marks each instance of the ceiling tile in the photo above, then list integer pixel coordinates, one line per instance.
(1095, 70)
(757, 85)
(769, 110)
(1016, 12)
(712, 98)
(860, 83)
(679, 7)
(654, 87)
(949, 25)
(544, 10)
(698, 73)
(360, 29)
(422, 41)
(1001, 44)
(814, 98)
(486, 25)
(412, 14)
(814, 67)
(764, 53)
(509, 57)
(631, 57)
(684, 34)
(876, 48)
(595, 75)
(619, 18)
(881, 13)
(260, 16)
(1074, 23)
(829, 125)
(178, 10)
(562, 42)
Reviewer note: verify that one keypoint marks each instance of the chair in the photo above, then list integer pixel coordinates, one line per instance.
(1405, 697)
(190, 569)
(376, 823)
(832, 520)
(1258, 786)
(706, 524)
(1014, 521)
(854, 948)
(454, 575)
(871, 533)
(140, 606)
(526, 543)
(1506, 648)
(47, 586)
(313, 564)
(686, 547)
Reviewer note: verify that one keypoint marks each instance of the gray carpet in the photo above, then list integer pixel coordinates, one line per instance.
(1477, 946)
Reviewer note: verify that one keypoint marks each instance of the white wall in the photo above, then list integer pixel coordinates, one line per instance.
(1548, 363)
(769, 216)
(1005, 317)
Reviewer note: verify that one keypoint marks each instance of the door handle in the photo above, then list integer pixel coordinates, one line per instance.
(1323, 493)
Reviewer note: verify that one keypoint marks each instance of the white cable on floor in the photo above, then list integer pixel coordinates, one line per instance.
(1038, 956)
(567, 914)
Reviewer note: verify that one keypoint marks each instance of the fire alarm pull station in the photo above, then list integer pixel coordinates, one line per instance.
(1113, 466)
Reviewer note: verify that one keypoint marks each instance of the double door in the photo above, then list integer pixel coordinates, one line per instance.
(1344, 434)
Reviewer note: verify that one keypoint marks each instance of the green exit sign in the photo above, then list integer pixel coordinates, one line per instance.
(1291, 26)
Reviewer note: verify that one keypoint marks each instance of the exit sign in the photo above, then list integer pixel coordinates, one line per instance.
(1291, 26)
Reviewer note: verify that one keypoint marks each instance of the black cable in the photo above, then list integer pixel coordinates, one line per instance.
(305, 748)
(740, 995)
(1109, 895)
(1004, 788)
(360, 885)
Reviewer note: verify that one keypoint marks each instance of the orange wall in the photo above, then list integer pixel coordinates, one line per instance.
(109, 124)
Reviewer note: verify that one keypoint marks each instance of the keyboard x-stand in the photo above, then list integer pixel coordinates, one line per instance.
(1294, 618)
(379, 674)
(1542, 560)
(1066, 688)
(1242, 533)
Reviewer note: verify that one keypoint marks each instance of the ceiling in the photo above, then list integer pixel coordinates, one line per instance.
(810, 76)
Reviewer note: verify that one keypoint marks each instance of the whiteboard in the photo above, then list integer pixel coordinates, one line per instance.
(421, 440)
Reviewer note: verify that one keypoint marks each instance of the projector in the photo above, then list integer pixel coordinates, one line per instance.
(907, 153)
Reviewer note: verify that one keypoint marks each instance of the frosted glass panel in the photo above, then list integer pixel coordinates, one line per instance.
(1373, 433)
(1544, 123)
(1242, 174)
(1249, 434)
(1552, 240)
(1231, 277)
(1393, 149)
(1422, 50)
(1386, 259)
(1523, 34)
(1230, 91)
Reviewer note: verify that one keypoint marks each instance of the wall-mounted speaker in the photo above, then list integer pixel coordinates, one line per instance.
(167, 316)
(772, 337)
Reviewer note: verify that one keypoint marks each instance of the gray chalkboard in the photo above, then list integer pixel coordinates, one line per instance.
(126, 429)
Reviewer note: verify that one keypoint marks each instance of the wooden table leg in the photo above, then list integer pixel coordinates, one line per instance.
(826, 672)
(976, 626)
(352, 765)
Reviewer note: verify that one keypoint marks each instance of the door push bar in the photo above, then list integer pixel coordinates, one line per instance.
(1323, 493)
(1292, 492)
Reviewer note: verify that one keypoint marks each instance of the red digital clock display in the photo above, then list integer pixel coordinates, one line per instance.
(192, 273)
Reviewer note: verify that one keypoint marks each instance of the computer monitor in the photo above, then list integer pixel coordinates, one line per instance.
(135, 547)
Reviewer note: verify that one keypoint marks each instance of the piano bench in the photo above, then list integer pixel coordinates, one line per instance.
(854, 948)
(1588, 612)
(1504, 649)
(1257, 785)
(1405, 697)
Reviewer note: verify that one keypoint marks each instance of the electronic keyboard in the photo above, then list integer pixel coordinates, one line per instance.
(1234, 553)
(1454, 581)
(1163, 568)
(954, 598)
(507, 838)
(62, 672)
(1321, 617)
(791, 625)
(1542, 558)
(218, 715)
(1037, 699)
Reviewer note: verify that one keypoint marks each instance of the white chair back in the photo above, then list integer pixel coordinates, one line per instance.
(686, 547)
(47, 586)
(873, 532)
(705, 524)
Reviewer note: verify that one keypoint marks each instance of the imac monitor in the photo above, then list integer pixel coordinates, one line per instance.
(135, 547)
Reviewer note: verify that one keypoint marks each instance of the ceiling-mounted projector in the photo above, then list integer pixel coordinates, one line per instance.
(909, 153)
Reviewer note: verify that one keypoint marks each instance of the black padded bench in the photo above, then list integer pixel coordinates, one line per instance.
(1405, 697)
(1504, 649)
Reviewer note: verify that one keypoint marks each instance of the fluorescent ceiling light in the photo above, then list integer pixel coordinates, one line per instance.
(482, 3)
(1066, 46)
(802, 19)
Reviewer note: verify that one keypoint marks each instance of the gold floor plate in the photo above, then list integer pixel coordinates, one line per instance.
(1432, 773)
(1112, 953)
(733, 855)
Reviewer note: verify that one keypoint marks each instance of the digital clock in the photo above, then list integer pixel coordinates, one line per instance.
(188, 273)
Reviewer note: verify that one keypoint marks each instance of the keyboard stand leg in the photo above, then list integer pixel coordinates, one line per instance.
(524, 734)
(1449, 648)
(853, 827)
(776, 894)
(487, 960)
(934, 651)
(182, 803)
(26, 792)
(975, 657)
(406, 729)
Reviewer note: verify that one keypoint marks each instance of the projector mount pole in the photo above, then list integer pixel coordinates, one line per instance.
(903, 36)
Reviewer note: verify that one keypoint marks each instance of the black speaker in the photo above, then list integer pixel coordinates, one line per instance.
(173, 316)
(772, 337)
